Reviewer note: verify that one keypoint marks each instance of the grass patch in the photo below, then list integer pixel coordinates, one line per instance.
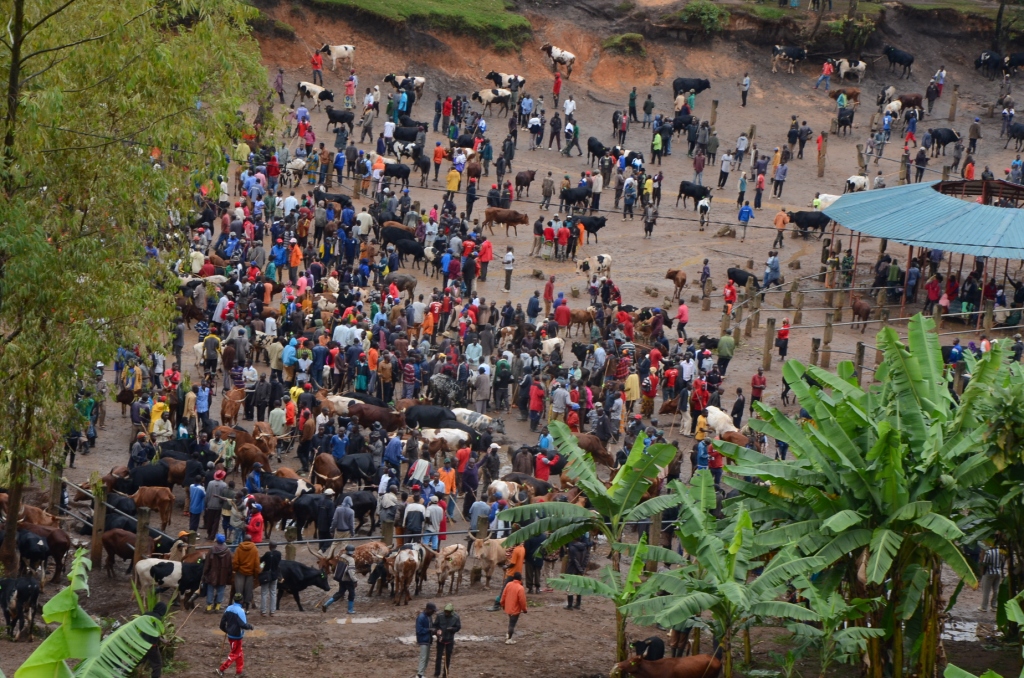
(766, 12)
(489, 20)
(967, 7)
(266, 26)
(630, 44)
(710, 17)
(624, 7)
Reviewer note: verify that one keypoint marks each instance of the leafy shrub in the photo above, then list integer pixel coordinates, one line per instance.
(626, 43)
(710, 17)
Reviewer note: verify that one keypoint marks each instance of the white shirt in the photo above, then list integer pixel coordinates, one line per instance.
(389, 129)
(270, 325)
(726, 163)
(746, 84)
(742, 142)
(509, 260)
(250, 376)
(569, 106)
(597, 183)
(341, 335)
(367, 103)
(223, 191)
(290, 204)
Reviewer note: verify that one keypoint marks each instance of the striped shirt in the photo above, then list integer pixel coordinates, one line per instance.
(993, 562)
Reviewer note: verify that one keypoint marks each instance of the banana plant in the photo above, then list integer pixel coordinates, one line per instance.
(874, 485)
(613, 507)
(78, 636)
(718, 579)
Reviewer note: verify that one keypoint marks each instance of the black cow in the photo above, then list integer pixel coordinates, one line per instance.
(406, 133)
(444, 390)
(990, 63)
(364, 504)
(19, 597)
(464, 141)
(186, 576)
(1012, 61)
(295, 578)
(336, 118)
(1016, 133)
(394, 234)
(592, 225)
(682, 121)
(289, 486)
(307, 90)
(941, 137)
(150, 475)
(423, 165)
(698, 85)
(898, 56)
(399, 171)
(365, 397)
(807, 221)
(651, 649)
(596, 150)
(121, 503)
(406, 121)
(574, 197)
(791, 55)
(306, 507)
(32, 549)
(412, 247)
(427, 416)
(688, 189)
(845, 119)
(343, 200)
(359, 469)
(704, 341)
(740, 277)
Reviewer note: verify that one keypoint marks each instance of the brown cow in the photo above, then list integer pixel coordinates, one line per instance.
(325, 472)
(735, 437)
(694, 666)
(473, 170)
(241, 437)
(678, 278)
(583, 317)
(524, 179)
(176, 469)
(592, 444)
(399, 224)
(37, 516)
(852, 94)
(367, 415)
(507, 218)
(275, 509)
(669, 406)
(119, 543)
(159, 498)
(369, 553)
(451, 561)
(861, 312)
(230, 404)
(406, 565)
(217, 261)
(488, 554)
(247, 455)
(285, 472)
(910, 100)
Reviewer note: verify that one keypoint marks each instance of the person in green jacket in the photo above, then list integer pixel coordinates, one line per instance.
(487, 155)
(632, 106)
(648, 110)
(726, 348)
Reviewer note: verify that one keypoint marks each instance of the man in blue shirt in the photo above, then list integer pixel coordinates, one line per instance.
(424, 636)
(254, 481)
(234, 624)
(339, 444)
(746, 214)
(546, 442)
(196, 502)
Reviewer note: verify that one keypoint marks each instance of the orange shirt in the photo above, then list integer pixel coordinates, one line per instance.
(513, 598)
(428, 323)
(268, 293)
(448, 478)
(371, 359)
(462, 457)
(781, 219)
(516, 561)
(438, 154)
(295, 257)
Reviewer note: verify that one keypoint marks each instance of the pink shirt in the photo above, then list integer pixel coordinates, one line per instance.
(683, 314)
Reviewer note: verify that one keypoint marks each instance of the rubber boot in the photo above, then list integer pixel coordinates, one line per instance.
(351, 607)
(327, 604)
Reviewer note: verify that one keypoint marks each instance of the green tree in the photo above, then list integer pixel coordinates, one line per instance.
(614, 508)
(718, 578)
(875, 480)
(91, 88)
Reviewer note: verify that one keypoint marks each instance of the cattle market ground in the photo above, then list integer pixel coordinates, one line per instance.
(553, 641)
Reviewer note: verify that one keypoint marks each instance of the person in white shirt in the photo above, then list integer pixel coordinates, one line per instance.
(509, 263)
(270, 326)
(291, 203)
(569, 106)
(725, 168)
(197, 259)
(389, 133)
(368, 101)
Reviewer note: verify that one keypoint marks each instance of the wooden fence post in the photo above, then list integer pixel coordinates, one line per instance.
(769, 342)
(953, 101)
(142, 541)
(840, 300)
(861, 162)
(815, 347)
(826, 348)
(937, 315)
(714, 112)
(756, 315)
(787, 298)
(291, 534)
(958, 377)
(56, 484)
(858, 362)
(99, 518)
(798, 315)
(655, 538)
(748, 330)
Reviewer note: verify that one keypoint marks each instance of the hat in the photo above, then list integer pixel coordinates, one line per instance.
(257, 465)
(575, 406)
(257, 507)
(449, 608)
(328, 492)
(280, 240)
(494, 446)
(183, 534)
(140, 434)
(219, 475)
(433, 499)
(237, 597)
(977, 120)
(415, 488)
(307, 386)
(502, 502)
(293, 240)
(437, 143)
(220, 539)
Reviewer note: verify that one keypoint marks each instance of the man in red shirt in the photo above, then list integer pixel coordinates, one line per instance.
(486, 256)
(536, 404)
(730, 295)
(556, 88)
(273, 172)
(207, 269)
(757, 385)
(715, 462)
(563, 316)
(317, 62)
(543, 464)
(549, 290)
(563, 242)
(669, 381)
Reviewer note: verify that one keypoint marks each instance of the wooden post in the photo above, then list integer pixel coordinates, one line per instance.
(736, 336)
(769, 342)
(826, 351)
(988, 322)
(958, 377)
(787, 298)
(290, 535)
(99, 518)
(839, 305)
(705, 304)
(903, 169)
(937, 314)
(945, 172)
(56, 482)
(143, 546)
(858, 362)
(798, 316)
(748, 330)
(714, 112)
(861, 162)
(756, 315)
(725, 323)
(821, 154)
(753, 132)
(952, 102)
(880, 299)
(821, 274)
(482, 526)
(829, 297)
(885, 321)
(655, 536)
(739, 315)
(815, 347)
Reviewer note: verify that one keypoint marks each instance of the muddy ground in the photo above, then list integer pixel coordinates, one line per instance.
(553, 641)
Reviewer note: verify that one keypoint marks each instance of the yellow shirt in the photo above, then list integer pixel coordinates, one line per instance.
(156, 412)
(452, 180)
(702, 424)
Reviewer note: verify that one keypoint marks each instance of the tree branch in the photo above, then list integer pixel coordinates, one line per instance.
(129, 138)
(84, 40)
(119, 71)
(48, 17)
(38, 73)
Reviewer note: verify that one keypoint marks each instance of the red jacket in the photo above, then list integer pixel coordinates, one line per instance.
(536, 398)
(563, 316)
(486, 251)
(542, 467)
(446, 107)
(273, 168)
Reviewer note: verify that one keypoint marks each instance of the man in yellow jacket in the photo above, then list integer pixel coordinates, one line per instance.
(452, 182)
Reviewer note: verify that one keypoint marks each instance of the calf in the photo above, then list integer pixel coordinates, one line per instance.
(678, 279)
(451, 561)
(407, 563)
(790, 55)
(688, 189)
(845, 120)
(160, 499)
(523, 180)
(19, 598)
(990, 63)
(294, 578)
(489, 97)
(898, 56)
(845, 67)
(487, 555)
(336, 118)
(861, 312)
(314, 92)
(596, 150)
(856, 184)
(601, 264)
(592, 225)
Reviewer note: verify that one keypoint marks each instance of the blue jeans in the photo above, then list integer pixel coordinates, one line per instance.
(647, 118)
(698, 178)
(437, 119)
(826, 78)
(210, 589)
(432, 540)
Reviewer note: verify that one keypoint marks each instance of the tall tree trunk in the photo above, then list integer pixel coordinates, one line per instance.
(852, 9)
(621, 649)
(727, 654)
(932, 628)
(16, 34)
(998, 39)
(9, 547)
(746, 646)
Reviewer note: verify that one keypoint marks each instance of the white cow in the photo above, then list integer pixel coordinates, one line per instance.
(307, 90)
(489, 97)
(560, 56)
(854, 67)
(719, 421)
(549, 345)
(893, 107)
(855, 184)
(454, 437)
(343, 52)
(601, 264)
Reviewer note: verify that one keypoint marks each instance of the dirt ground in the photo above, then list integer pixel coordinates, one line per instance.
(553, 641)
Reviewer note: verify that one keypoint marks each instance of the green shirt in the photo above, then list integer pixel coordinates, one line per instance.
(726, 346)
(632, 99)
(277, 421)
(894, 273)
(648, 106)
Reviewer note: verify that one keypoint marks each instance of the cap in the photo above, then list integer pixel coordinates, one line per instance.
(349, 548)
(257, 507)
(449, 608)
(220, 539)
(293, 240)
(183, 534)
(433, 499)
(494, 446)
(257, 465)
(237, 597)
(219, 475)
(328, 492)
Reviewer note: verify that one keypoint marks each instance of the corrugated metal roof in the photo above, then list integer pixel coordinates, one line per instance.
(917, 214)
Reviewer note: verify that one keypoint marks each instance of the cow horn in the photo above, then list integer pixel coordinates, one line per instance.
(315, 554)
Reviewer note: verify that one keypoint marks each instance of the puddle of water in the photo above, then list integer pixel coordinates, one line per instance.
(359, 620)
(961, 631)
(411, 640)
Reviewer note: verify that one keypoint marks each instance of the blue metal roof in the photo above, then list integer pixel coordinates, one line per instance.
(917, 214)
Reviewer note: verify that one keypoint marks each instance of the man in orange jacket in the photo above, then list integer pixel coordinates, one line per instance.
(515, 562)
(513, 601)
